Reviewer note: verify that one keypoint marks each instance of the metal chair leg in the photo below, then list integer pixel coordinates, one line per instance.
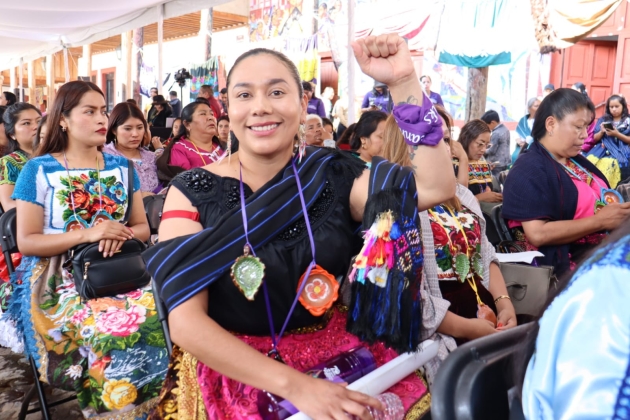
(26, 401)
(40, 391)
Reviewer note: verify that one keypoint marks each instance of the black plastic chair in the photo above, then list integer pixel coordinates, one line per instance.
(499, 222)
(163, 317)
(153, 205)
(8, 242)
(491, 230)
(474, 381)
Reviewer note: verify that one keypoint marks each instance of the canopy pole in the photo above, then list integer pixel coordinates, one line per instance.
(12, 79)
(350, 62)
(65, 64)
(160, 38)
(205, 31)
(21, 76)
(138, 43)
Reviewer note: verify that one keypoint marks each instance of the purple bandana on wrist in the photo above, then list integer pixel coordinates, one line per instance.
(420, 125)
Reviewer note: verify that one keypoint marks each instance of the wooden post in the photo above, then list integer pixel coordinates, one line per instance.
(477, 91)
(126, 40)
(50, 79)
(205, 32)
(66, 64)
(30, 74)
(21, 81)
(87, 61)
(160, 37)
(138, 43)
(350, 61)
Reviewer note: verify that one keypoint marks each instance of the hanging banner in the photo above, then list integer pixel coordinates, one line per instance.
(148, 79)
(273, 18)
(204, 74)
(304, 53)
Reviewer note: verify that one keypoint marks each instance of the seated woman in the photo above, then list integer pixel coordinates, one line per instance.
(271, 208)
(42, 129)
(580, 366)
(557, 201)
(475, 139)
(195, 145)
(458, 306)
(524, 128)
(611, 142)
(162, 112)
(223, 130)
(111, 350)
(366, 135)
(21, 123)
(126, 135)
(313, 130)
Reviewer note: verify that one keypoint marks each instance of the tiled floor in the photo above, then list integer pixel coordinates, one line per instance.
(16, 378)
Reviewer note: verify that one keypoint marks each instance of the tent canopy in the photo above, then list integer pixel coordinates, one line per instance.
(34, 28)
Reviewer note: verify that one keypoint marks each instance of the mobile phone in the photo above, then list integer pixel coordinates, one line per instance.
(607, 126)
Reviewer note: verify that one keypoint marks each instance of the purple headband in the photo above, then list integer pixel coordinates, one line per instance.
(420, 125)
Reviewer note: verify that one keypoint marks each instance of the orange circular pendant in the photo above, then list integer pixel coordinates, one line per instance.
(320, 292)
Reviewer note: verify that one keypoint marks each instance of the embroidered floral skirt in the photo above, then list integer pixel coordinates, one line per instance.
(110, 351)
(194, 391)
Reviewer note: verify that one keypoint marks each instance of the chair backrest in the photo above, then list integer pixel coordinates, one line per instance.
(474, 380)
(153, 205)
(8, 236)
(491, 230)
(502, 228)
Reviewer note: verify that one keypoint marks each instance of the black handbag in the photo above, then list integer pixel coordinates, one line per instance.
(125, 271)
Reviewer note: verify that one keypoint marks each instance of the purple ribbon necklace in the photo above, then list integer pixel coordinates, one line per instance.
(248, 271)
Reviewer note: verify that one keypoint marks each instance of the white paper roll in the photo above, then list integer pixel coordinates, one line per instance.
(392, 372)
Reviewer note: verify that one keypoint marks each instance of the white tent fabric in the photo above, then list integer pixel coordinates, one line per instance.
(30, 29)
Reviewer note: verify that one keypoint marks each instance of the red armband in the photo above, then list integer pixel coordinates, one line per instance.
(181, 214)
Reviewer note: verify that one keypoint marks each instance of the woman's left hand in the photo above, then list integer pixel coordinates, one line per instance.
(156, 141)
(385, 58)
(506, 318)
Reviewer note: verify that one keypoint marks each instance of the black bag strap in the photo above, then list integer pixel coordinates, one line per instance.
(129, 191)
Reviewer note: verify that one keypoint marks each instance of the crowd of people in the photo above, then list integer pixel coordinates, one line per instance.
(260, 194)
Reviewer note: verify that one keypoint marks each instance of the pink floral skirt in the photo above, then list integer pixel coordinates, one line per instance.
(225, 398)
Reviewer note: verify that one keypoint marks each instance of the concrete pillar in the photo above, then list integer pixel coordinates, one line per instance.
(127, 47)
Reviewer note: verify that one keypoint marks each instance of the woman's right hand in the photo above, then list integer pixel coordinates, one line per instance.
(478, 328)
(488, 196)
(612, 215)
(323, 400)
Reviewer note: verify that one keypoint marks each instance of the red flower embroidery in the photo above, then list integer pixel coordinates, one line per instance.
(440, 238)
(81, 199)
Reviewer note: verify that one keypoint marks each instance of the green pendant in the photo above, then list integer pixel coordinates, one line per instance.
(477, 263)
(248, 273)
(462, 266)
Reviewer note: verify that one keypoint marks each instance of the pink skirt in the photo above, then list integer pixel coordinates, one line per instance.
(225, 398)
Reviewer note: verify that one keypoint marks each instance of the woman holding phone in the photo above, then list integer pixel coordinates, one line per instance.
(611, 153)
